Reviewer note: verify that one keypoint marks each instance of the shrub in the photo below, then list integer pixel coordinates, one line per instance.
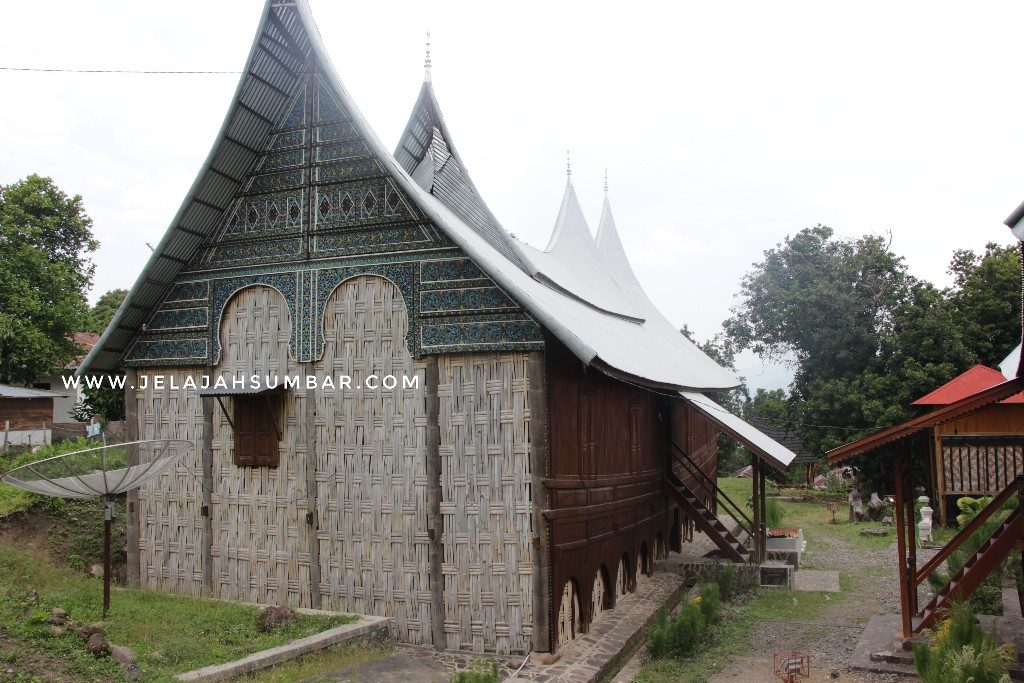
(679, 637)
(710, 603)
(482, 672)
(773, 513)
(728, 582)
(988, 598)
(961, 651)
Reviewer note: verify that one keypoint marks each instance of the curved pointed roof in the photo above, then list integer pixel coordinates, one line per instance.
(427, 153)
(286, 41)
(573, 264)
(610, 247)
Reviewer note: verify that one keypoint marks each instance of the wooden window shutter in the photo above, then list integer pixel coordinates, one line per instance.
(256, 441)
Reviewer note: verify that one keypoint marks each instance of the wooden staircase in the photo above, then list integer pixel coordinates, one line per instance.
(695, 509)
(1006, 538)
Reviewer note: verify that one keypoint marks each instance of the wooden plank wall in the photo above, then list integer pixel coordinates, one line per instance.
(607, 462)
(371, 465)
(26, 413)
(486, 503)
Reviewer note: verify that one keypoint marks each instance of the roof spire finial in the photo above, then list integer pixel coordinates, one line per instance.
(568, 165)
(606, 181)
(426, 60)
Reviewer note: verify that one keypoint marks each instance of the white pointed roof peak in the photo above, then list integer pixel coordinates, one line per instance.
(571, 229)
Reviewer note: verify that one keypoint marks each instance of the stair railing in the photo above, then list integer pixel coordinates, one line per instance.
(1016, 487)
(723, 499)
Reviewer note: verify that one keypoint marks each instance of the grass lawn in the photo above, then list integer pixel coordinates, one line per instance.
(169, 634)
(729, 638)
(329, 659)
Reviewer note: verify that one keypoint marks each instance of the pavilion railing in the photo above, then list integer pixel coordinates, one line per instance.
(1014, 489)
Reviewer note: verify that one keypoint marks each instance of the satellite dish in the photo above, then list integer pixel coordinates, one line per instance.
(104, 471)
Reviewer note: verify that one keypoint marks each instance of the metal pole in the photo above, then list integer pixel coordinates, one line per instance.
(108, 519)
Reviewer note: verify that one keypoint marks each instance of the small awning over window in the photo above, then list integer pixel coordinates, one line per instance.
(771, 451)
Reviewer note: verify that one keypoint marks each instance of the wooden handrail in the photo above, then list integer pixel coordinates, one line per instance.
(688, 462)
(1017, 486)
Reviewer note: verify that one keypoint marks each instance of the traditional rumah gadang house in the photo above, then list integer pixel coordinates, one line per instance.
(556, 439)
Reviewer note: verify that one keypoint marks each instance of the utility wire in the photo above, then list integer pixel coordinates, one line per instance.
(108, 71)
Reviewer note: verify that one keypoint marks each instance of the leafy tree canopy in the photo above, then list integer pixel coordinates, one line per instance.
(45, 270)
(101, 314)
(986, 300)
(868, 338)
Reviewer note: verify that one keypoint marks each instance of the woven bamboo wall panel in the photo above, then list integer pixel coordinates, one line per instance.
(260, 546)
(980, 468)
(486, 504)
(371, 467)
(170, 534)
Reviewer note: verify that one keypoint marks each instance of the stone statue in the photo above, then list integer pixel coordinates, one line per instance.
(875, 507)
(856, 506)
(924, 527)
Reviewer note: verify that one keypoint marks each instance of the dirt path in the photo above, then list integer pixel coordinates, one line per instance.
(830, 638)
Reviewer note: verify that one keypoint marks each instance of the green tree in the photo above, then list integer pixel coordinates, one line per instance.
(45, 270)
(867, 337)
(731, 455)
(986, 300)
(102, 313)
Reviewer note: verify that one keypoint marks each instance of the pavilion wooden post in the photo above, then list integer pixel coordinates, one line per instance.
(910, 516)
(757, 501)
(898, 468)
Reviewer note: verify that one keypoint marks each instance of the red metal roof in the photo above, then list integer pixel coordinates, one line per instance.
(972, 381)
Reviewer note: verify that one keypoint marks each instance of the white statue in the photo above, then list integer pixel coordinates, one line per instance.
(924, 527)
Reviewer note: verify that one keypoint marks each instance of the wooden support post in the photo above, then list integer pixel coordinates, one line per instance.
(911, 517)
(537, 403)
(206, 459)
(755, 501)
(435, 521)
(901, 543)
(133, 569)
(312, 517)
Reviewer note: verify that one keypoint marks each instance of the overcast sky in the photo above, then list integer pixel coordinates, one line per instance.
(724, 126)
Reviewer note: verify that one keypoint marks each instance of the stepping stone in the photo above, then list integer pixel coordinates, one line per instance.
(811, 580)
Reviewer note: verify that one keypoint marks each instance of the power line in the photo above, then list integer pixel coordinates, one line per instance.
(109, 71)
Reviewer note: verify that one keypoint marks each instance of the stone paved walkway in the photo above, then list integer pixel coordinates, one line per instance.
(617, 630)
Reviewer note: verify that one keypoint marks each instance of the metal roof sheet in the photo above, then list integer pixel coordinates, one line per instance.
(763, 445)
(651, 352)
(966, 384)
(8, 391)
(1009, 365)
